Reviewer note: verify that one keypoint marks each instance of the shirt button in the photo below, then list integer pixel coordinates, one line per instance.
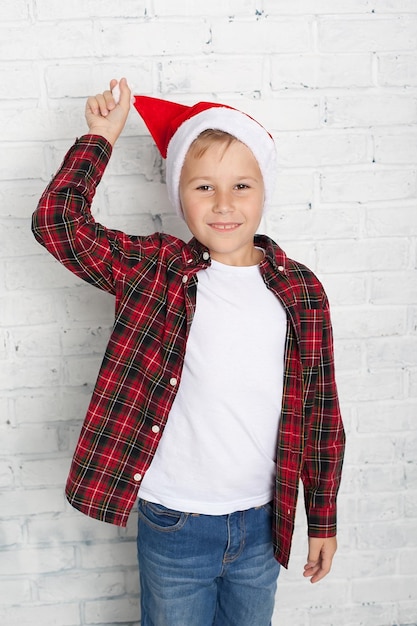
(206, 256)
(155, 429)
(173, 382)
(184, 279)
(137, 478)
(280, 268)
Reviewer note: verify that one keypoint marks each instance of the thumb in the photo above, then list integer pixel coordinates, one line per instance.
(121, 93)
(314, 551)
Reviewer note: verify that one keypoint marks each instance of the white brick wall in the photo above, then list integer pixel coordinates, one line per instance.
(336, 82)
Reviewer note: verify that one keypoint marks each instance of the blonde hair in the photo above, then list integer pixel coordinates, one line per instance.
(207, 138)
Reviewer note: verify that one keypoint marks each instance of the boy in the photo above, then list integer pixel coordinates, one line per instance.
(217, 389)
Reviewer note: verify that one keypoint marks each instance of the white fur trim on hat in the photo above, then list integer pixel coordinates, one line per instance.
(231, 121)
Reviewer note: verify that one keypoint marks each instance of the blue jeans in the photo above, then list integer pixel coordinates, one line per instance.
(206, 570)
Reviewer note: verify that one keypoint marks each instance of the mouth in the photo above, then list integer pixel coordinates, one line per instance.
(224, 227)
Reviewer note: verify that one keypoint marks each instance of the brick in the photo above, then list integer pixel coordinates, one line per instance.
(99, 556)
(381, 287)
(19, 309)
(356, 613)
(153, 199)
(348, 355)
(81, 371)
(179, 76)
(373, 34)
(330, 7)
(34, 373)
(37, 560)
(311, 149)
(18, 240)
(25, 198)
(32, 502)
(401, 588)
(232, 8)
(67, 39)
(381, 507)
(112, 612)
(396, 148)
(370, 386)
(311, 71)
(293, 188)
(29, 274)
(64, 614)
(22, 161)
(396, 221)
(156, 37)
(49, 10)
(35, 342)
(6, 474)
(19, 590)
(288, 7)
(369, 255)
(379, 535)
(71, 527)
(49, 405)
(385, 417)
(361, 322)
(368, 186)
(92, 340)
(14, 10)
(11, 533)
(346, 289)
(370, 111)
(407, 612)
(397, 70)
(389, 352)
(80, 586)
(82, 80)
(21, 79)
(315, 224)
(410, 504)
(380, 478)
(45, 472)
(260, 36)
(87, 304)
(22, 441)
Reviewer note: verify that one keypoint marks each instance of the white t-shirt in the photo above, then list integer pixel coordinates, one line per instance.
(217, 454)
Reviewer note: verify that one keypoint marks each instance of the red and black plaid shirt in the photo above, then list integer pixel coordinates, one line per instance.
(154, 281)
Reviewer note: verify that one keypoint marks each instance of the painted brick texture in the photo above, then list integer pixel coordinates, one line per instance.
(336, 83)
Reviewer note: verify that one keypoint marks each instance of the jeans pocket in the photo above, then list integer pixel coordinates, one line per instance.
(160, 517)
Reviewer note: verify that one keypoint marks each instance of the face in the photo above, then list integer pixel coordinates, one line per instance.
(222, 197)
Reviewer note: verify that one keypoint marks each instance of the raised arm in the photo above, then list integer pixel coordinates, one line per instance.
(63, 222)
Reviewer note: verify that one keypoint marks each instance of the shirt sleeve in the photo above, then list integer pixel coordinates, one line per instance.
(63, 222)
(325, 442)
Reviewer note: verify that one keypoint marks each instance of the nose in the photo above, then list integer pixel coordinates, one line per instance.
(223, 202)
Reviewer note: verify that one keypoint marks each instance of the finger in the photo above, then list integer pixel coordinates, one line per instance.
(92, 105)
(125, 94)
(102, 102)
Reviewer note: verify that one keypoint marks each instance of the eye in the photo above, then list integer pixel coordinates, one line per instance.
(241, 186)
(204, 187)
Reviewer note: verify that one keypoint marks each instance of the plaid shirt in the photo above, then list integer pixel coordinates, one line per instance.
(154, 281)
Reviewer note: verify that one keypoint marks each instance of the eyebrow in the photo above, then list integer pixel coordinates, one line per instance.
(208, 178)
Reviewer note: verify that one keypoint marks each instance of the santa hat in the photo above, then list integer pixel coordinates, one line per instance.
(175, 126)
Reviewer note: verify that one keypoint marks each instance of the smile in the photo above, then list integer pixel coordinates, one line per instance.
(224, 227)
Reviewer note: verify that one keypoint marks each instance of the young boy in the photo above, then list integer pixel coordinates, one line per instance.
(217, 389)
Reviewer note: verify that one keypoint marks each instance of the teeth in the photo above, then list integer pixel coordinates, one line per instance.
(224, 226)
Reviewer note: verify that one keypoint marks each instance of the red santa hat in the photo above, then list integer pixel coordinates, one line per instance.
(174, 127)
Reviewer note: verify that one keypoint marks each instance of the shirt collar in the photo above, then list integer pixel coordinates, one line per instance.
(196, 255)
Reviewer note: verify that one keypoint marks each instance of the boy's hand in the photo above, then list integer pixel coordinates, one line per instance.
(320, 557)
(106, 118)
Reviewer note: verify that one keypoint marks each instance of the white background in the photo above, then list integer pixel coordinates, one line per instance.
(336, 83)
